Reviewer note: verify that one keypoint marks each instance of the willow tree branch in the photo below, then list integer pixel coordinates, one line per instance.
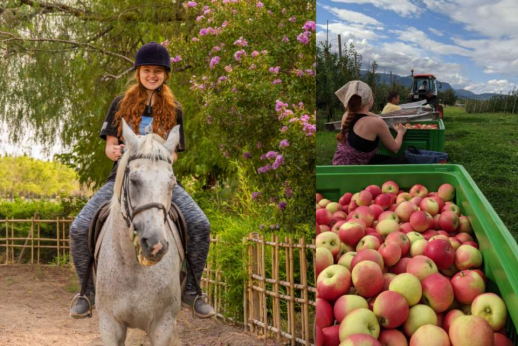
(110, 76)
(74, 43)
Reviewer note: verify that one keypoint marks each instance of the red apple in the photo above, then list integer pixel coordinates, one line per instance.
(406, 228)
(400, 267)
(449, 221)
(339, 216)
(387, 279)
(384, 200)
(324, 216)
(390, 187)
(451, 207)
(464, 237)
(351, 233)
(364, 199)
(331, 336)
(471, 243)
(324, 259)
(450, 317)
(501, 340)
(352, 206)
(333, 282)
(421, 267)
(347, 303)
(391, 309)
(392, 337)
(416, 200)
(467, 257)
(359, 321)
(319, 336)
(319, 197)
(391, 253)
(471, 331)
(333, 207)
(429, 205)
(464, 225)
(365, 214)
(377, 211)
(403, 197)
(418, 190)
(429, 234)
(345, 199)
(367, 278)
(421, 221)
(368, 242)
(441, 252)
(401, 239)
(324, 315)
(446, 192)
(367, 255)
(375, 190)
(430, 335)
(388, 215)
(437, 292)
(329, 240)
(405, 210)
(455, 243)
(346, 259)
(418, 248)
(467, 285)
(360, 340)
(408, 286)
(385, 227)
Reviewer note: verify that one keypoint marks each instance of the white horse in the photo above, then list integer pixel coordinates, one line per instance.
(138, 273)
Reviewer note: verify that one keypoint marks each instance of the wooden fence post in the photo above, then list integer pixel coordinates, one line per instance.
(292, 294)
(20, 256)
(263, 285)
(305, 296)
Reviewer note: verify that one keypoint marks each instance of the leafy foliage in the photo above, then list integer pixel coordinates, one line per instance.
(497, 104)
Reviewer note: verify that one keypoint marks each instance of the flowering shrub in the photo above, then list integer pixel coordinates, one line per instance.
(253, 75)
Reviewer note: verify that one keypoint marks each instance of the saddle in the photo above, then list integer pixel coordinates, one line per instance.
(181, 237)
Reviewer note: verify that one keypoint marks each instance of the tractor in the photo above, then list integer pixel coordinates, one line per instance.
(424, 87)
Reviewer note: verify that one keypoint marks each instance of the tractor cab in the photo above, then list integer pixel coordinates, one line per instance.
(425, 87)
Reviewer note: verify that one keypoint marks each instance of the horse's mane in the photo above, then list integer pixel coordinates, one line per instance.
(150, 146)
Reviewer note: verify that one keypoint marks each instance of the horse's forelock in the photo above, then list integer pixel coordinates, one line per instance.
(150, 146)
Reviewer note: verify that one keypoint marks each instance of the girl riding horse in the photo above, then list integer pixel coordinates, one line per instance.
(148, 106)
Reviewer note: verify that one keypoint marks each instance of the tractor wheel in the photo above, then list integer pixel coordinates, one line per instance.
(441, 111)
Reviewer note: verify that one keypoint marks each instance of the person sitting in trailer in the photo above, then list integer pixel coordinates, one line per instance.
(392, 104)
(362, 130)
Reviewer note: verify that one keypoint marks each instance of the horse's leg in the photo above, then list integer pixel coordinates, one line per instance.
(161, 333)
(113, 333)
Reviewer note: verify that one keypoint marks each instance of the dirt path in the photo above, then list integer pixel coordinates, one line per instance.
(34, 303)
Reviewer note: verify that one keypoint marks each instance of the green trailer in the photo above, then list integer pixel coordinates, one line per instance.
(497, 245)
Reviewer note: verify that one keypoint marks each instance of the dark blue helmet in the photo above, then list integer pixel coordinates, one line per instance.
(153, 54)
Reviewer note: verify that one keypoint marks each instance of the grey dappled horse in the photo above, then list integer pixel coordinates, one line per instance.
(138, 273)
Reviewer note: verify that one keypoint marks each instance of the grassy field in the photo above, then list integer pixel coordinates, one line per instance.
(485, 144)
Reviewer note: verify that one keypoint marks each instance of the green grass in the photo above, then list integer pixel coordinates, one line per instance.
(485, 144)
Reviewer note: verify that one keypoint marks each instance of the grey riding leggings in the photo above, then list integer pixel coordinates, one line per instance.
(197, 224)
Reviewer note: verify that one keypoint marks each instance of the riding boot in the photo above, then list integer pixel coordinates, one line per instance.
(200, 307)
(82, 306)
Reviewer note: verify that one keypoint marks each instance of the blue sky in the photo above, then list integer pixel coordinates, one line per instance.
(471, 44)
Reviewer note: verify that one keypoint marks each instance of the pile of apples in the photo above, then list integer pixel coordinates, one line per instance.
(420, 126)
(401, 268)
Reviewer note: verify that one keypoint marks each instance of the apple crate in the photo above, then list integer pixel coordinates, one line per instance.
(497, 245)
(421, 139)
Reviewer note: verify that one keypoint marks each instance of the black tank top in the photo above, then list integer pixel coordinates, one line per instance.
(357, 142)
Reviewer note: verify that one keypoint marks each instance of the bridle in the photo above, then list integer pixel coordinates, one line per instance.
(130, 213)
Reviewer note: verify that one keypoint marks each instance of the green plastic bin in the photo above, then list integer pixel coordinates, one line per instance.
(497, 245)
(421, 139)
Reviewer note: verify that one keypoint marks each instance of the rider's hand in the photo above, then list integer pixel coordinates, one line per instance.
(117, 150)
(400, 128)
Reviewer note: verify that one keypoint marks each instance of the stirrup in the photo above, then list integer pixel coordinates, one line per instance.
(79, 296)
(199, 296)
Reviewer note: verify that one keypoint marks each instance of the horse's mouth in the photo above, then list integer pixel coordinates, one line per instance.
(140, 257)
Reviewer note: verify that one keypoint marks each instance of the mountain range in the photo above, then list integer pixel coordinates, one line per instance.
(407, 81)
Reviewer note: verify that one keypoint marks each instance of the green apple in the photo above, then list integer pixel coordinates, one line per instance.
(492, 308)
(359, 321)
(408, 286)
(418, 316)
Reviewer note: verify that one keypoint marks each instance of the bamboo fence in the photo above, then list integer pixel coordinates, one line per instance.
(15, 245)
(276, 306)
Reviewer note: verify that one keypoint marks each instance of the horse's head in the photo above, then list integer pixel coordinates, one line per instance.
(144, 187)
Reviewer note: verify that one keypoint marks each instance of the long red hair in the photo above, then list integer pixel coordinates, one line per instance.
(133, 105)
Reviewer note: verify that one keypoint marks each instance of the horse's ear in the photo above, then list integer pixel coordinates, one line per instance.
(129, 136)
(173, 139)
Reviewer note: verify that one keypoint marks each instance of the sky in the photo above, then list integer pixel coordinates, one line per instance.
(27, 146)
(470, 44)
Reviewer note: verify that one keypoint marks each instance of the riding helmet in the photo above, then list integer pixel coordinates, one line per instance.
(153, 54)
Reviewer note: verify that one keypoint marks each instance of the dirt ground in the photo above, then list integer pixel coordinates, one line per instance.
(34, 303)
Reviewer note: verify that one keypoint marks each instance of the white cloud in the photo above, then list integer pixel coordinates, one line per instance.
(493, 86)
(405, 8)
(419, 38)
(352, 17)
(352, 31)
(436, 32)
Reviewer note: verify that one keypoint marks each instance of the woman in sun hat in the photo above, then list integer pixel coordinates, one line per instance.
(362, 130)
(148, 106)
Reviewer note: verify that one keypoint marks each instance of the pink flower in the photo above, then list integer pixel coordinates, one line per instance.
(310, 26)
(271, 154)
(300, 73)
(176, 59)
(293, 19)
(255, 53)
(216, 48)
(234, 90)
(279, 160)
(259, 145)
(252, 67)
(224, 24)
(239, 54)
(264, 52)
(285, 39)
(222, 79)
(283, 11)
(228, 68)
(284, 143)
(195, 39)
(241, 42)
(204, 32)
(191, 4)
(302, 38)
(281, 25)
(166, 43)
(199, 18)
(214, 61)
(259, 4)
(206, 12)
(309, 72)
(274, 70)
(279, 106)
(269, 12)
(277, 81)
(284, 129)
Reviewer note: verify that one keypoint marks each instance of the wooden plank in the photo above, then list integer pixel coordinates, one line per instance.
(292, 293)
(305, 297)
